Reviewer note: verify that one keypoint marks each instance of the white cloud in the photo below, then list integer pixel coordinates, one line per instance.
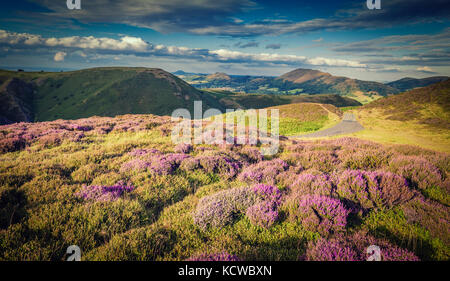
(425, 69)
(137, 46)
(59, 56)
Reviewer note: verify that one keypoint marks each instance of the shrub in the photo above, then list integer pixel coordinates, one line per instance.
(224, 256)
(252, 155)
(367, 190)
(263, 214)
(12, 144)
(420, 172)
(104, 193)
(183, 148)
(305, 183)
(354, 248)
(263, 172)
(221, 208)
(323, 214)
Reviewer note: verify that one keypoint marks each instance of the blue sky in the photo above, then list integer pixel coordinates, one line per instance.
(404, 38)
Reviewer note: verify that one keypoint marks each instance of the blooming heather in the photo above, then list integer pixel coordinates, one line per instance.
(366, 190)
(104, 193)
(223, 256)
(354, 248)
(183, 148)
(221, 208)
(263, 172)
(318, 213)
(263, 214)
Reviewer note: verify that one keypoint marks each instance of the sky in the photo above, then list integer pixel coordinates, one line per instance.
(405, 38)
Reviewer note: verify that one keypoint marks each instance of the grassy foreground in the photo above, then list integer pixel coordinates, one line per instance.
(120, 190)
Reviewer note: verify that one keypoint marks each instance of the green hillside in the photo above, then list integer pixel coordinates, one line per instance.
(45, 96)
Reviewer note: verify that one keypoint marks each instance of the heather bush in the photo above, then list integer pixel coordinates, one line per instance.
(224, 256)
(367, 190)
(251, 155)
(422, 175)
(306, 183)
(323, 214)
(222, 165)
(263, 214)
(223, 207)
(104, 193)
(183, 148)
(12, 144)
(354, 248)
(364, 159)
(263, 172)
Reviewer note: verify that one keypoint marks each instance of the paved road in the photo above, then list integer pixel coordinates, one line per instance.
(346, 126)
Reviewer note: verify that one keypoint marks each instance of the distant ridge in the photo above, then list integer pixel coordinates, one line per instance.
(409, 83)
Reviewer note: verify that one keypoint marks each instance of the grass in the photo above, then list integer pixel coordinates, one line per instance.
(154, 221)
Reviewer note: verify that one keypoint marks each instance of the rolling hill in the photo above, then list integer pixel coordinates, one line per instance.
(45, 96)
(98, 91)
(409, 83)
(317, 82)
(420, 117)
(299, 81)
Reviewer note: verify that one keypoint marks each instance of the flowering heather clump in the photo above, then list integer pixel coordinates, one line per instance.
(333, 249)
(364, 159)
(183, 148)
(252, 155)
(190, 164)
(318, 213)
(420, 172)
(367, 190)
(224, 256)
(12, 144)
(158, 164)
(306, 183)
(104, 193)
(354, 248)
(143, 151)
(83, 128)
(322, 160)
(433, 216)
(263, 172)
(263, 214)
(268, 193)
(221, 208)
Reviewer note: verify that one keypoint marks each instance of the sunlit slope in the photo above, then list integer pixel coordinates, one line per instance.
(419, 117)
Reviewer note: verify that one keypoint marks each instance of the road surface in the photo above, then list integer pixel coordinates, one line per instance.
(348, 125)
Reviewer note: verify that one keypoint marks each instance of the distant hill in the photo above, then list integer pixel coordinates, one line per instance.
(218, 76)
(408, 83)
(317, 82)
(299, 81)
(111, 91)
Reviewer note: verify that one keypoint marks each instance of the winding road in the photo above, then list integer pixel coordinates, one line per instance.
(348, 125)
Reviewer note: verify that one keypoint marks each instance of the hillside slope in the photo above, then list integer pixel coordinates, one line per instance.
(16, 101)
(408, 83)
(298, 81)
(316, 82)
(420, 117)
(103, 92)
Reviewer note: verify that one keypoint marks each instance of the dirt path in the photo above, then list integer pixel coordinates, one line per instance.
(346, 126)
